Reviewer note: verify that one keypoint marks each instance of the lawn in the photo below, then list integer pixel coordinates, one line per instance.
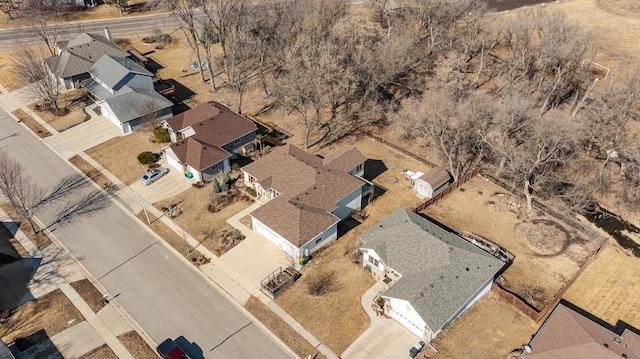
(52, 313)
(207, 228)
(609, 287)
(90, 171)
(281, 329)
(30, 122)
(490, 329)
(547, 251)
(74, 101)
(89, 294)
(120, 155)
(138, 348)
(319, 314)
(101, 352)
(39, 239)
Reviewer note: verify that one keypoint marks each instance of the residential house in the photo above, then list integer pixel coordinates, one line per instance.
(571, 333)
(125, 93)
(436, 274)
(76, 56)
(208, 137)
(306, 196)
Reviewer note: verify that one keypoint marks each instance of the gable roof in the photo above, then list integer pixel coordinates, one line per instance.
(111, 70)
(197, 154)
(436, 177)
(345, 159)
(308, 190)
(440, 270)
(215, 125)
(80, 53)
(567, 334)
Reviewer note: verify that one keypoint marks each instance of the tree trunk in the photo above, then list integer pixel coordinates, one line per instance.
(579, 104)
(527, 193)
(197, 49)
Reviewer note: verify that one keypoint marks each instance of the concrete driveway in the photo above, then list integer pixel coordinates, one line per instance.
(169, 185)
(384, 337)
(91, 133)
(255, 257)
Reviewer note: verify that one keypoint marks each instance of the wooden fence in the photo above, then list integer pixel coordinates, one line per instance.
(452, 187)
(535, 314)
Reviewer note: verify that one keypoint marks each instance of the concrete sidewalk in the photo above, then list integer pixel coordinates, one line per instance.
(56, 272)
(237, 287)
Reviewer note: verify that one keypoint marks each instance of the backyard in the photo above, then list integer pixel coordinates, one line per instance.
(547, 251)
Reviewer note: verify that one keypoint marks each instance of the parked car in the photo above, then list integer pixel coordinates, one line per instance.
(153, 175)
(169, 349)
(416, 349)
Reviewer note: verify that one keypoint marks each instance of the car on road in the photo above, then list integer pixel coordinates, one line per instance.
(153, 175)
(169, 349)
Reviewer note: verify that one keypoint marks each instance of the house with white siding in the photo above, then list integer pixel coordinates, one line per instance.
(436, 274)
(305, 196)
(125, 93)
(206, 138)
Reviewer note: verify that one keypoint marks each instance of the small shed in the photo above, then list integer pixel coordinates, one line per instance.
(431, 183)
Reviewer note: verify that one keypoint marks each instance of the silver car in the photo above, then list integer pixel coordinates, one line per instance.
(153, 175)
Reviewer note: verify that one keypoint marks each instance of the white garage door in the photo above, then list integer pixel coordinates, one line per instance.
(414, 328)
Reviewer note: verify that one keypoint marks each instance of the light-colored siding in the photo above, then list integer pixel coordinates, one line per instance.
(108, 113)
(267, 232)
(135, 81)
(321, 240)
(372, 259)
(358, 170)
(236, 146)
(172, 160)
(402, 311)
(349, 204)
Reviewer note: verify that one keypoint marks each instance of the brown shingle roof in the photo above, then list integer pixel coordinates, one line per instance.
(197, 154)
(345, 159)
(436, 177)
(297, 223)
(308, 191)
(567, 334)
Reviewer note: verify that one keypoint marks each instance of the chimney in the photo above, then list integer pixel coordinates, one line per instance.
(107, 34)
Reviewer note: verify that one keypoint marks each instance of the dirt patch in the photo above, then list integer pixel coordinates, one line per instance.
(52, 313)
(73, 101)
(207, 228)
(545, 248)
(138, 348)
(101, 352)
(30, 122)
(90, 171)
(120, 155)
(39, 239)
(246, 220)
(490, 329)
(281, 329)
(608, 288)
(89, 294)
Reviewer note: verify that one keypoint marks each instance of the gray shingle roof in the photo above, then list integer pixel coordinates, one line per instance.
(113, 70)
(128, 103)
(440, 270)
(78, 54)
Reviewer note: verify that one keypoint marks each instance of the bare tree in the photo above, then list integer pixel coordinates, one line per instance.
(17, 188)
(29, 66)
(43, 19)
(208, 38)
(121, 5)
(8, 6)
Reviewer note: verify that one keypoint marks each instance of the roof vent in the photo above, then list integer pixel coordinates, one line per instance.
(441, 277)
(605, 345)
(467, 269)
(204, 147)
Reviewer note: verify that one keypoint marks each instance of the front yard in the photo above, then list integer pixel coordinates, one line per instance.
(74, 101)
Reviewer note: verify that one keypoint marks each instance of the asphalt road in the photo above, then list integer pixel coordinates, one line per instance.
(165, 296)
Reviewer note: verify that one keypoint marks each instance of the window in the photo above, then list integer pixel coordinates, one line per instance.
(375, 262)
(359, 167)
(318, 240)
(370, 259)
(236, 141)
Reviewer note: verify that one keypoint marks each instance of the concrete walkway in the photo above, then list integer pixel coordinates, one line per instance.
(56, 272)
(385, 337)
(235, 286)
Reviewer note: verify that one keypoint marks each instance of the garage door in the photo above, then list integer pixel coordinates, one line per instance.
(414, 328)
(135, 124)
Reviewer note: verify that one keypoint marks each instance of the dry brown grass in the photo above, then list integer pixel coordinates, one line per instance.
(39, 239)
(490, 329)
(609, 287)
(101, 352)
(30, 122)
(342, 305)
(138, 348)
(69, 100)
(169, 236)
(89, 294)
(8, 80)
(53, 312)
(120, 155)
(98, 12)
(196, 219)
(281, 329)
(547, 251)
(89, 171)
